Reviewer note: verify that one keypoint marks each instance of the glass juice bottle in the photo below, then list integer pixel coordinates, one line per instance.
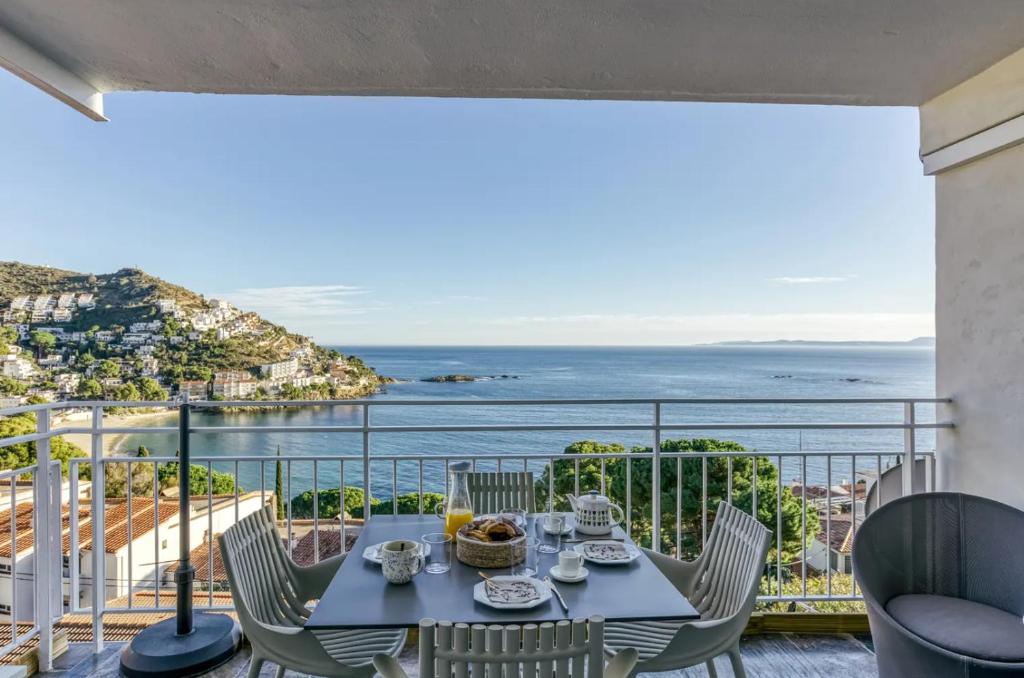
(458, 509)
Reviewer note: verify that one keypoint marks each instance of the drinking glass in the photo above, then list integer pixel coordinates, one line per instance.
(516, 515)
(528, 566)
(550, 530)
(440, 559)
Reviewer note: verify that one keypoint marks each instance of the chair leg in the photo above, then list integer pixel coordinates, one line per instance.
(255, 666)
(712, 671)
(737, 662)
(280, 672)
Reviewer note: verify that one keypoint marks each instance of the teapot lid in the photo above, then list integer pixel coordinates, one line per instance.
(594, 498)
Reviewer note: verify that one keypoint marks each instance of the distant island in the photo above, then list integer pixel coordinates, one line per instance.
(457, 378)
(132, 336)
(919, 341)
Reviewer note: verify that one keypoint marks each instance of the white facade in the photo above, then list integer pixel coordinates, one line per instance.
(281, 370)
(21, 303)
(166, 550)
(979, 290)
(234, 388)
(18, 369)
(152, 552)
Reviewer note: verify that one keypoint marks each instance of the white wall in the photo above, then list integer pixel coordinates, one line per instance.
(980, 288)
(24, 585)
(143, 548)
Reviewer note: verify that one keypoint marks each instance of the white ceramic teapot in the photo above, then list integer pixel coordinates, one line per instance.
(594, 513)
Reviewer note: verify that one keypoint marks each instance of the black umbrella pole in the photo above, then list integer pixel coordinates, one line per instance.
(185, 574)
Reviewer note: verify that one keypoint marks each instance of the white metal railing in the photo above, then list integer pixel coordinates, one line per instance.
(51, 532)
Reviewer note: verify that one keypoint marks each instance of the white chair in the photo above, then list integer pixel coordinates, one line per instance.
(562, 650)
(270, 592)
(492, 492)
(722, 584)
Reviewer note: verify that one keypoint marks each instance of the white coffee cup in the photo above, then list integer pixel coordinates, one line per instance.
(569, 563)
(400, 561)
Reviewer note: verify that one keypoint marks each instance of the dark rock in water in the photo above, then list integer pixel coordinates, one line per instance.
(851, 380)
(457, 378)
(783, 376)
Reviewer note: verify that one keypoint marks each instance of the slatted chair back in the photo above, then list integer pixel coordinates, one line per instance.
(492, 492)
(256, 563)
(562, 650)
(732, 565)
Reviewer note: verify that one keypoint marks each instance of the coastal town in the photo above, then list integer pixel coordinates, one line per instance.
(70, 345)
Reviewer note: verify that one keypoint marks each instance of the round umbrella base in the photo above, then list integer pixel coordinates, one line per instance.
(158, 651)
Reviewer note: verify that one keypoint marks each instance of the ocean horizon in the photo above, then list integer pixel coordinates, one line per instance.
(565, 372)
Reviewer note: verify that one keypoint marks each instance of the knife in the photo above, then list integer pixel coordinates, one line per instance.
(558, 595)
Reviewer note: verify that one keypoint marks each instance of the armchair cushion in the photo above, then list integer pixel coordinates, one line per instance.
(961, 626)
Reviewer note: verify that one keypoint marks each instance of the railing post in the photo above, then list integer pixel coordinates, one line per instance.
(44, 544)
(99, 575)
(909, 448)
(656, 482)
(366, 464)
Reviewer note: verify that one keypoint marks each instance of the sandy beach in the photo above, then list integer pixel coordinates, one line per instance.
(112, 442)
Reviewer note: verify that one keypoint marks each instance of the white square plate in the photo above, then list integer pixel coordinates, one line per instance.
(600, 551)
(480, 594)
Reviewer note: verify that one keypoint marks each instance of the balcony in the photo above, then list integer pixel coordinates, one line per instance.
(101, 527)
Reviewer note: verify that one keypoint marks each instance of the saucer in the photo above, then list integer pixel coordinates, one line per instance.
(556, 573)
(567, 527)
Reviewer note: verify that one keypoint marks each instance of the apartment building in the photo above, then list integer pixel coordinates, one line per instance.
(281, 370)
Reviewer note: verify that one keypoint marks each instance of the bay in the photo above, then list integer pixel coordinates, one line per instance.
(826, 371)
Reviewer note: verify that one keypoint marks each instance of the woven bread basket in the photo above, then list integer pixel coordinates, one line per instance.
(488, 555)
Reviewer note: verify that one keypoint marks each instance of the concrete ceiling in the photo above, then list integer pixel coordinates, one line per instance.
(877, 52)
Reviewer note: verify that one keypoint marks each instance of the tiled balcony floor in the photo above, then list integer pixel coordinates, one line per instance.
(765, 656)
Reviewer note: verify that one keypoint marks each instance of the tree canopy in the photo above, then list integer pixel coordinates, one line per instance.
(24, 454)
(11, 387)
(223, 483)
(43, 341)
(8, 336)
(329, 506)
(691, 474)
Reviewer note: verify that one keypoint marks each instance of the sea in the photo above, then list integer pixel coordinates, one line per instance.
(516, 373)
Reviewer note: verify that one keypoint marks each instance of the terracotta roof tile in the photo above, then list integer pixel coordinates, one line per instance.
(329, 542)
(115, 525)
(840, 539)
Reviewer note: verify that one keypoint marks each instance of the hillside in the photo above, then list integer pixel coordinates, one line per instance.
(112, 331)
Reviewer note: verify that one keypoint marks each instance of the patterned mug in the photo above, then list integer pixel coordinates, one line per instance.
(401, 560)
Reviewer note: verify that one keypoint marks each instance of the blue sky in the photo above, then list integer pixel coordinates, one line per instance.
(434, 221)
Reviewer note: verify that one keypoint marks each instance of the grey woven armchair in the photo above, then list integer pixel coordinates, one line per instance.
(943, 580)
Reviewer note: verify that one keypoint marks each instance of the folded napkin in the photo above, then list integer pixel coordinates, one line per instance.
(511, 592)
(606, 551)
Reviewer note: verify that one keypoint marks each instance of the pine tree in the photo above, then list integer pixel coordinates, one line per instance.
(279, 487)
